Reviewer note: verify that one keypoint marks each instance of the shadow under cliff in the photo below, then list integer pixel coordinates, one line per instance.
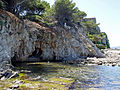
(43, 69)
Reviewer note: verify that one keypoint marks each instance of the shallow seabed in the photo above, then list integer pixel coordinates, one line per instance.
(58, 76)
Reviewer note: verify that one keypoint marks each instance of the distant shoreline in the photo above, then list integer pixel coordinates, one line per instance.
(117, 47)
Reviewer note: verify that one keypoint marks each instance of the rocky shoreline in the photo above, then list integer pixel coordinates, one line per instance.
(112, 58)
(16, 79)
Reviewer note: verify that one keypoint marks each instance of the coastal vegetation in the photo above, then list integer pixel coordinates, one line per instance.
(95, 35)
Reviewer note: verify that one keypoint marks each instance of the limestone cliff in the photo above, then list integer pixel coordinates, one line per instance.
(21, 39)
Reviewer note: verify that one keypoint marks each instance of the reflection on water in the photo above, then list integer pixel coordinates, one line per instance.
(86, 77)
(99, 77)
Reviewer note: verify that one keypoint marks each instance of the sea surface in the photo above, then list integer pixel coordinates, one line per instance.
(86, 77)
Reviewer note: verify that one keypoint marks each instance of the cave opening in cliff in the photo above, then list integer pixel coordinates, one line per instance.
(14, 60)
(36, 55)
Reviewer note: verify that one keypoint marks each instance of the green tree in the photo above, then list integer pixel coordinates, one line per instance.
(25, 7)
(78, 15)
(64, 10)
(2, 5)
(11, 5)
(90, 26)
(33, 8)
(48, 17)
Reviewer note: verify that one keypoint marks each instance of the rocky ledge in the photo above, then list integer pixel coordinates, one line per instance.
(112, 58)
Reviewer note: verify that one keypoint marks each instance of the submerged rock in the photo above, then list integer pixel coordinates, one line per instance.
(14, 87)
(8, 74)
(22, 39)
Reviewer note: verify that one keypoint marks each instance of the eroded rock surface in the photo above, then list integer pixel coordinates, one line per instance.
(112, 58)
(20, 39)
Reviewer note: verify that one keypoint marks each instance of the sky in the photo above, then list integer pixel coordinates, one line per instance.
(107, 13)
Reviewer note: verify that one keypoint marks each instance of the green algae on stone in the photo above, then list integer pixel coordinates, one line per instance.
(51, 77)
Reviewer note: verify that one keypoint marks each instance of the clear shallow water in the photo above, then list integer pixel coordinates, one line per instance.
(99, 77)
(86, 77)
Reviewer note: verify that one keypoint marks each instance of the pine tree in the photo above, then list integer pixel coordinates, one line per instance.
(66, 12)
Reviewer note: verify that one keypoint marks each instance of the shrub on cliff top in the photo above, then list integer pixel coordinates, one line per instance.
(97, 39)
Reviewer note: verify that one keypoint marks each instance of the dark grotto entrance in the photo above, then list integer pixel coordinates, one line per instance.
(14, 59)
(35, 56)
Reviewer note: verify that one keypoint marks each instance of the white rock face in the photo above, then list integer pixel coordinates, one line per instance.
(19, 39)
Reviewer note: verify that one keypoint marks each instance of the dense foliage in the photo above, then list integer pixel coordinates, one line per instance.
(78, 16)
(63, 11)
(98, 40)
(25, 7)
(97, 37)
(90, 26)
(12, 5)
(66, 12)
(32, 9)
(2, 5)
